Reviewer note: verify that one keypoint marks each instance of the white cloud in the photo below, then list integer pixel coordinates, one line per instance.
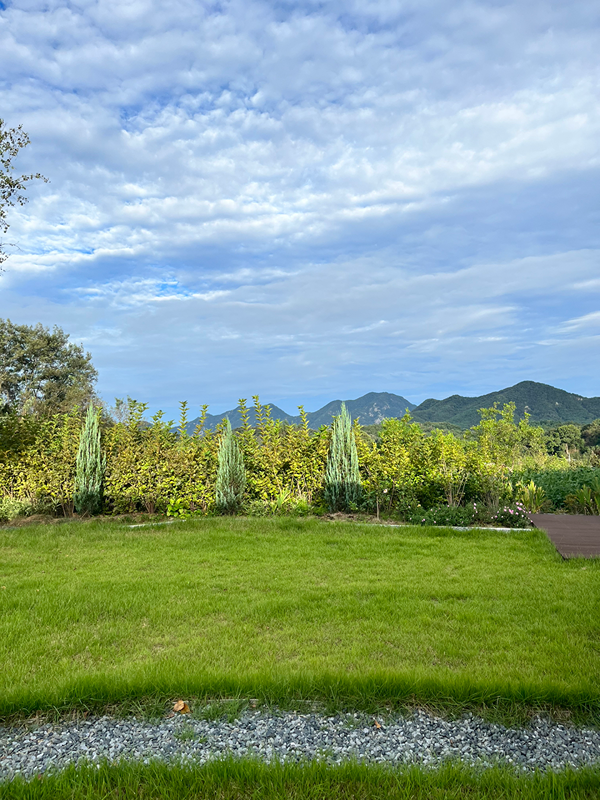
(358, 321)
(120, 295)
(586, 321)
(208, 127)
(311, 194)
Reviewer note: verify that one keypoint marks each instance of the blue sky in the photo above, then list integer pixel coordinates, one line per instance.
(309, 200)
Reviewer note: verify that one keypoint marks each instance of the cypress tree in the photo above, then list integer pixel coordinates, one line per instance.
(342, 478)
(231, 475)
(91, 465)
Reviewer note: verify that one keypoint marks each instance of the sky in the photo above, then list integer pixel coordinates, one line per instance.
(308, 200)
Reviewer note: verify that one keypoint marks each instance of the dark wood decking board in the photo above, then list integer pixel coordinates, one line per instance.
(571, 534)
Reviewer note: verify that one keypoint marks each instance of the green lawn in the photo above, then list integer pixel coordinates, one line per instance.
(250, 780)
(287, 608)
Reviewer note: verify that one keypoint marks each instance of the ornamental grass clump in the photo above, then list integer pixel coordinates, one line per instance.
(342, 478)
(231, 475)
(90, 468)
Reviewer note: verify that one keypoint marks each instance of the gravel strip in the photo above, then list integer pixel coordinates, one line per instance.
(417, 739)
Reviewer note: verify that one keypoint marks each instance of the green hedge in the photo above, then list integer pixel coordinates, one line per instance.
(153, 467)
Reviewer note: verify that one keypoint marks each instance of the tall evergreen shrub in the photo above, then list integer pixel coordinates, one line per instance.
(91, 466)
(342, 478)
(231, 475)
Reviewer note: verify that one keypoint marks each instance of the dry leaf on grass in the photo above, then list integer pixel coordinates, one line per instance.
(182, 707)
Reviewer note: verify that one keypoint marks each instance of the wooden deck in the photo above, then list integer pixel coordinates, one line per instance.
(571, 534)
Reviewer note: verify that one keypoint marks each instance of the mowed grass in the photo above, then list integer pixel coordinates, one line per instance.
(287, 608)
(243, 779)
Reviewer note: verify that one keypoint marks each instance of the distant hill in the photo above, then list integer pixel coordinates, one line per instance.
(371, 409)
(543, 402)
(235, 418)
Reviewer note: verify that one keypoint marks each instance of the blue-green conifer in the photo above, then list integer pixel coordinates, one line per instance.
(342, 478)
(231, 475)
(91, 466)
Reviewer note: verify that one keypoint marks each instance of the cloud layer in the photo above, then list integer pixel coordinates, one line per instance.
(309, 199)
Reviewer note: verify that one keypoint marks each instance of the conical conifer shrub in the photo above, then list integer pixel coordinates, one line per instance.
(231, 475)
(342, 478)
(91, 466)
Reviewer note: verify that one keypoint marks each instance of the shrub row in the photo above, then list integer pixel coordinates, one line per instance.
(156, 468)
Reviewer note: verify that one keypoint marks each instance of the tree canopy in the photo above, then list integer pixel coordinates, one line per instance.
(41, 372)
(12, 187)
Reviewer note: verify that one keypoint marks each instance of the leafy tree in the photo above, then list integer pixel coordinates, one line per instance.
(392, 465)
(12, 186)
(502, 447)
(41, 372)
(590, 434)
(91, 466)
(342, 478)
(565, 440)
(231, 475)
(451, 468)
(502, 440)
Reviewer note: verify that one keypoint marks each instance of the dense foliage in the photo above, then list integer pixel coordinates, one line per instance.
(41, 372)
(404, 472)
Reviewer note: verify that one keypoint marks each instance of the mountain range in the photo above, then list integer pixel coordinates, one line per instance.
(544, 403)
(371, 408)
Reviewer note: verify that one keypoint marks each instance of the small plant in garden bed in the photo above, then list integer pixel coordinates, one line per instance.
(180, 508)
(586, 500)
(283, 504)
(11, 508)
(513, 516)
(534, 498)
(461, 516)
